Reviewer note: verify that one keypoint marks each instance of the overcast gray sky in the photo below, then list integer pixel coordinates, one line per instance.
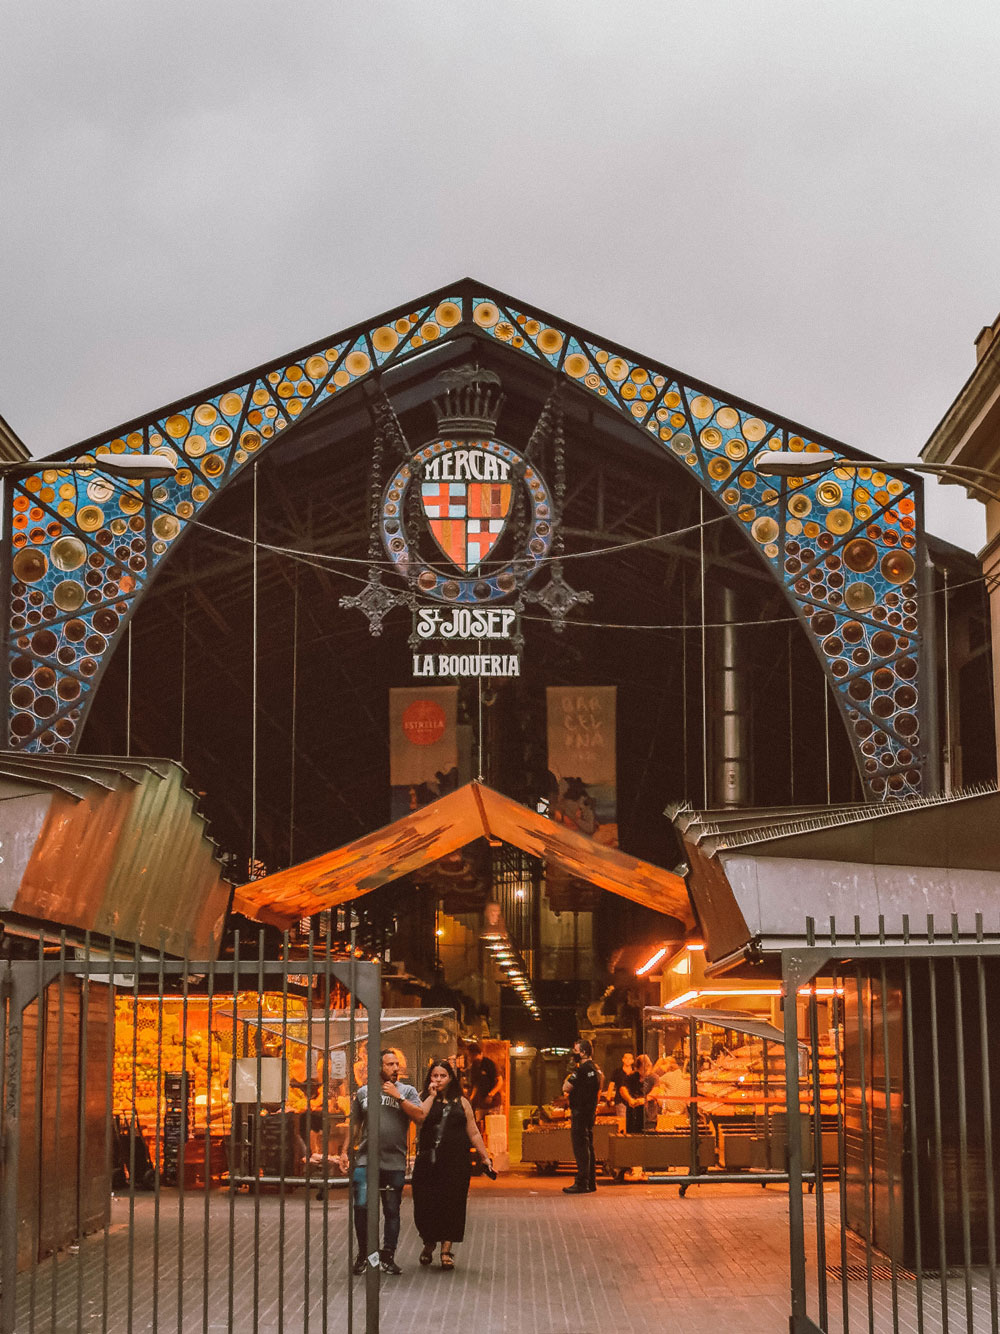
(794, 201)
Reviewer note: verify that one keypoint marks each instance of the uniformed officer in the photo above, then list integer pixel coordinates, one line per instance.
(583, 1085)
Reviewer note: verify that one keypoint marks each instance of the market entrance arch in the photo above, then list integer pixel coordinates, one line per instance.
(844, 550)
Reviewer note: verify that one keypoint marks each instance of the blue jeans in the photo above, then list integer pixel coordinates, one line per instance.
(390, 1187)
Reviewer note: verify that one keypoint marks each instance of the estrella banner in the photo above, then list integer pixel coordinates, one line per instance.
(423, 746)
(583, 772)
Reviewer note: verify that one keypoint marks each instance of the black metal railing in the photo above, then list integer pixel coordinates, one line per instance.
(174, 1134)
(903, 1236)
(176, 1139)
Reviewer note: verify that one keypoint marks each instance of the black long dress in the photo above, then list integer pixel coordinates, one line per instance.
(441, 1174)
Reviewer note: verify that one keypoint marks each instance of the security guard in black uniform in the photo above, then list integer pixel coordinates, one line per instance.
(583, 1084)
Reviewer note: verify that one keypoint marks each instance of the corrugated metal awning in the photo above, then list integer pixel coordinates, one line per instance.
(452, 822)
(755, 880)
(113, 846)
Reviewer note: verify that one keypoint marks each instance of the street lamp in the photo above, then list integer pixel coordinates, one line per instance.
(142, 467)
(132, 467)
(811, 463)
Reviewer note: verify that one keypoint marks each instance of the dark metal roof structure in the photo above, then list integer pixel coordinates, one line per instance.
(112, 846)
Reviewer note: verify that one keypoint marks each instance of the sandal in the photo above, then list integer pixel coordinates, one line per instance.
(427, 1255)
(447, 1259)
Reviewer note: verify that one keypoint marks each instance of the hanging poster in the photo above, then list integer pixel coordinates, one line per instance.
(423, 746)
(583, 775)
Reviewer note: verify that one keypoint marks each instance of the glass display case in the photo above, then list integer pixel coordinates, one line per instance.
(738, 1093)
(256, 1091)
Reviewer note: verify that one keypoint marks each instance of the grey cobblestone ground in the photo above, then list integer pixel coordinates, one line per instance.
(631, 1258)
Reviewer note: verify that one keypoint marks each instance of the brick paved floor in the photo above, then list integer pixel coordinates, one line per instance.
(632, 1259)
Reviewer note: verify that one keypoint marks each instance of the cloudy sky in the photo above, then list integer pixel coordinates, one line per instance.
(795, 202)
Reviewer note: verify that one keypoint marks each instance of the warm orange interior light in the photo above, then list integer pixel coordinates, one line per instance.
(689, 996)
(651, 961)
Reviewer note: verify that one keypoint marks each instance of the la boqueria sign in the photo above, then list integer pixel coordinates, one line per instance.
(458, 629)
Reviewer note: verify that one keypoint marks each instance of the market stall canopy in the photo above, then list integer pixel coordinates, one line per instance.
(755, 880)
(112, 846)
(737, 1021)
(452, 822)
(333, 1030)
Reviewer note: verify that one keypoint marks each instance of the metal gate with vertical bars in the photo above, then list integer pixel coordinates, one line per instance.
(902, 1233)
(892, 1192)
(134, 1085)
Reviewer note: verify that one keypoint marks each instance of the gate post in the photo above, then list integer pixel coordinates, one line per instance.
(364, 982)
(792, 964)
(22, 982)
(372, 1274)
(798, 966)
(793, 1148)
(13, 1022)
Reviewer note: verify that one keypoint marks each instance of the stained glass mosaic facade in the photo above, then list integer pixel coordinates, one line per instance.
(846, 545)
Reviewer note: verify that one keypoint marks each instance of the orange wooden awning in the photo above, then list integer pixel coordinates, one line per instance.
(452, 822)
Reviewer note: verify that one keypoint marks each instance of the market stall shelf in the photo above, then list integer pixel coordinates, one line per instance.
(548, 1145)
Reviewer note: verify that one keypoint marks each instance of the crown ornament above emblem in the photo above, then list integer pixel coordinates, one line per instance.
(470, 401)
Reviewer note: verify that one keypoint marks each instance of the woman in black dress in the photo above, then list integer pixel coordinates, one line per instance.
(442, 1170)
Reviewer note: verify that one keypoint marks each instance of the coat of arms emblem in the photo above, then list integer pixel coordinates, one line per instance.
(466, 518)
(467, 483)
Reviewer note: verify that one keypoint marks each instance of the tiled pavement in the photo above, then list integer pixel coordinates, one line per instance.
(631, 1259)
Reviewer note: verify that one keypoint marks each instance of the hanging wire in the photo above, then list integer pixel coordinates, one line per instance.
(253, 691)
(704, 643)
(128, 692)
(184, 644)
(791, 722)
(294, 722)
(684, 673)
(947, 689)
(391, 565)
(675, 627)
(323, 561)
(481, 778)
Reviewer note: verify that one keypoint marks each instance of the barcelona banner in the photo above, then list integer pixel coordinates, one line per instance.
(583, 773)
(423, 746)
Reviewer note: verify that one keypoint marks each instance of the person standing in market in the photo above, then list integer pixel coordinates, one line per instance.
(630, 1093)
(441, 1172)
(485, 1085)
(619, 1083)
(647, 1089)
(583, 1087)
(400, 1106)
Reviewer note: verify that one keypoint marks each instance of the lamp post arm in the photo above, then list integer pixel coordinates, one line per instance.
(138, 466)
(977, 482)
(788, 463)
(949, 467)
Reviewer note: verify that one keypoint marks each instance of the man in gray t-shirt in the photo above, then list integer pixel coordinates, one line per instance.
(400, 1105)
